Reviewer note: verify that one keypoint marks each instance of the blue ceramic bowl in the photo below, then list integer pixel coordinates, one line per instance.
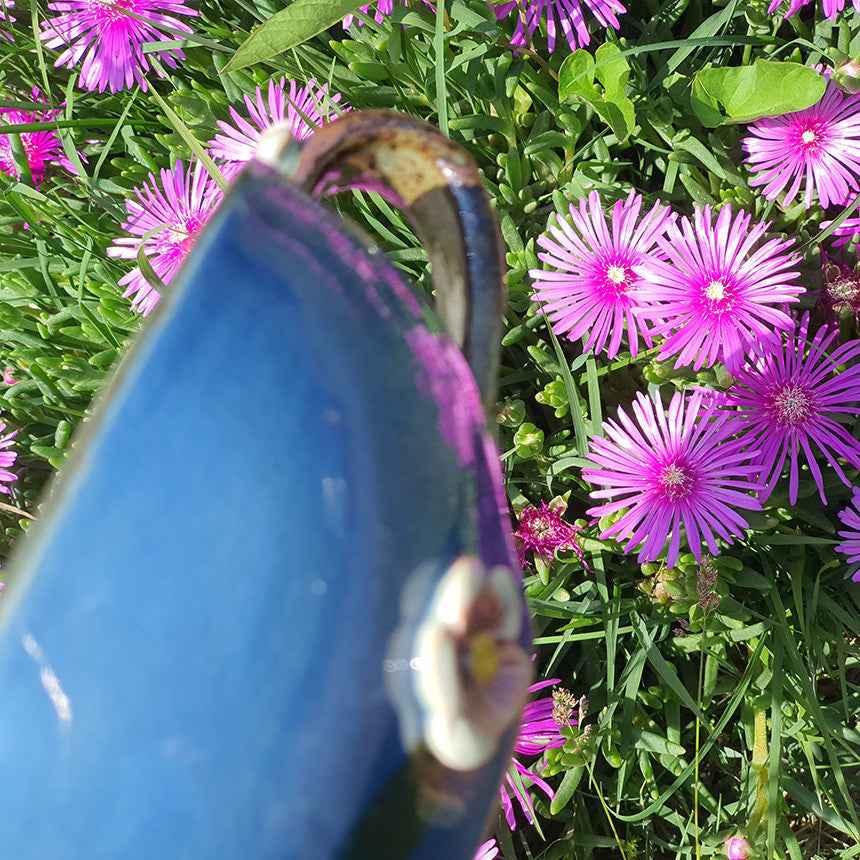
(271, 609)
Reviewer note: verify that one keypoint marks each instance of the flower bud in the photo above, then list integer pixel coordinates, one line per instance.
(738, 847)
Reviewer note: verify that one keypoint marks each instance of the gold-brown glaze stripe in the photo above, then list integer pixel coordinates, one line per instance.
(435, 182)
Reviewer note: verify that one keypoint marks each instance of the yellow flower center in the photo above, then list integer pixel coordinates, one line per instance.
(484, 658)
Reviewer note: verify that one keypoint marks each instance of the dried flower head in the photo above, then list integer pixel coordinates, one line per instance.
(841, 292)
(706, 577)
(542, 531)
(564, 706)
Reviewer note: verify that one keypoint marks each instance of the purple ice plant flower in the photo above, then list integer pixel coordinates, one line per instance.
(180, 205)
(818, 147)
(108, 42)
(5, 15)
(41, 147)
(540, 730)
(7, 458)
(304, 108)
(570, 18)
(789, 400)
(831, 7)
(851, 545)
(670, 471)
(383, 8)
(719, 292)
(846, 232)
(489, 850)
(591, 286)
(541, 531)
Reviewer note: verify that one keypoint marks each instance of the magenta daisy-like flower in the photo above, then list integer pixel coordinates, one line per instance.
(305, 108)
(818, 147)
(851, 545)
(718, 293)
(541, 531)
(41, 147)
(109, 43)
(7, 458)
(789, 399)
(570, 18)
(595, 288)
(831, 7)
(180, 206)
(540, 730)
(669, 471)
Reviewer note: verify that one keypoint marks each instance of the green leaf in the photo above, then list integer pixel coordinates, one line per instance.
(300, 21)
(611, 69)
(747, 93)
(565, 791)
(576, 76)
(618, 114)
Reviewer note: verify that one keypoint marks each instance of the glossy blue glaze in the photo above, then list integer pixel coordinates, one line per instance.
(192, 658)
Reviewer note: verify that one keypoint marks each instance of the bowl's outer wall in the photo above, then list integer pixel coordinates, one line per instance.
(191, 664)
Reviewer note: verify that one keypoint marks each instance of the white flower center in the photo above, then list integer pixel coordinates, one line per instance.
(616, 274)
(715, 291)
(675, 481)
(791, 405)
(808, 136)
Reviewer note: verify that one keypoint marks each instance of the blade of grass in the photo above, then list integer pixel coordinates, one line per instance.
(572, 392)
(185, 133)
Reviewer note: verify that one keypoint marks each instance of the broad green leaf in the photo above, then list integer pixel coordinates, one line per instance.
(576, 76)
(611, 69)
(300, 21)
(766, 88)
(617, 113)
